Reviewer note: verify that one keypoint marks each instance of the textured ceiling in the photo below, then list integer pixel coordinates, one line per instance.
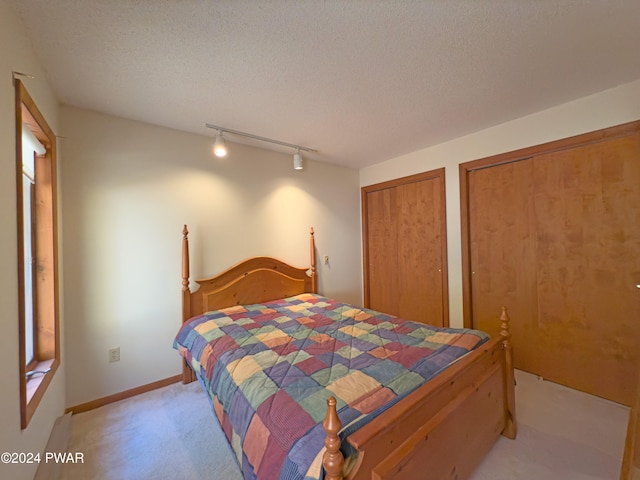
(361, 81)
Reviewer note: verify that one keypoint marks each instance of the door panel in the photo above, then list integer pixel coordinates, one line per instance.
(587, 203)
(419, 252)
(405, 248)
(502, 242)
(383, 245)
(556, 238)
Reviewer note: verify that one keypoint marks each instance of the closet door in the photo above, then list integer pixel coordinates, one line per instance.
(381, 237)
(556, 238)
(404, 242)
(588, 264)
(503, 251)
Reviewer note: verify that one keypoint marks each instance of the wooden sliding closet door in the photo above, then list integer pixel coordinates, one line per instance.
(404, 236)
(503, 245)
(556, 237)
(588, 264)
(380, 238)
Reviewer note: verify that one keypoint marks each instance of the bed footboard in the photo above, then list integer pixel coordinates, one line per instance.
(471, 404)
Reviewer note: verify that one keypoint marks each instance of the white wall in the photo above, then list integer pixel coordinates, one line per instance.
(16, 55)
(128, 189)
(605, 109)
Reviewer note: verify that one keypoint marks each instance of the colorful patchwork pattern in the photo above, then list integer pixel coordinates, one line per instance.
(269, 369)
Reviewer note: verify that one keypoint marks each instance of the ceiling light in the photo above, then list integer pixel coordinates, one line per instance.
(297, 160)
(220, 147)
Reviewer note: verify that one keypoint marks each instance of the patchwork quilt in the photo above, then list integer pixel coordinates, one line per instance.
(269, 369)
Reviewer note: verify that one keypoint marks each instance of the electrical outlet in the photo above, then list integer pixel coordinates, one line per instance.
(114, 354)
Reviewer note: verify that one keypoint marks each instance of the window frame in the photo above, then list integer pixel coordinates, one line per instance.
(45, 232)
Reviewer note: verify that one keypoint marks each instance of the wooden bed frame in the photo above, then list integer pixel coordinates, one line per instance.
(445, 427)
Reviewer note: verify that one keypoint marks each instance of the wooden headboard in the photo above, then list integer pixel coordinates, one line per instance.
(254, 280)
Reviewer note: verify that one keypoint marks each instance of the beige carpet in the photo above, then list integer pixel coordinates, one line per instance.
(562, 434)
(171, 434)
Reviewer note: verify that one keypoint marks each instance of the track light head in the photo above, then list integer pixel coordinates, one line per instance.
(220, 147)
(297, 161)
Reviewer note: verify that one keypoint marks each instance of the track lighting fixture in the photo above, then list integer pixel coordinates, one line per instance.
(220, 147)
(297, 160)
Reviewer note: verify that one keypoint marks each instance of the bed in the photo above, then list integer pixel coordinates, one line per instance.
(309, 387)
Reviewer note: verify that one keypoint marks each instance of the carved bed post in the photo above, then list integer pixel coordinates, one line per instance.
(314, 280)
(511, 428)
(332, 461)
(187, 373)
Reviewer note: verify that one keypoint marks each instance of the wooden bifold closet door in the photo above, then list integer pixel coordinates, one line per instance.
(404, 244)
(555, 236)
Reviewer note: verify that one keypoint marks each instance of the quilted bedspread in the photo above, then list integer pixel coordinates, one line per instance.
(269, 368)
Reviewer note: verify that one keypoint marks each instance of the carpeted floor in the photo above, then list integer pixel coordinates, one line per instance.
(562, 434)
(171, 433)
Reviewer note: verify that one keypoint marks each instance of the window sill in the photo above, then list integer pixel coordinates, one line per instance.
(34, 382)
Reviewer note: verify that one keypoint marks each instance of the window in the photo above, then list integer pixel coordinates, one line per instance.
(39, 332)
